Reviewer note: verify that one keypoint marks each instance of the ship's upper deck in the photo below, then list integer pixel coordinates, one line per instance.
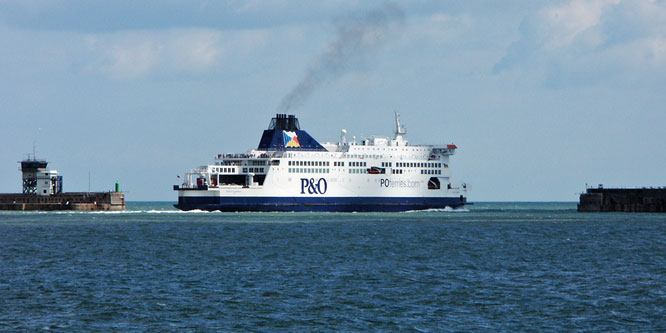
(284, 138)
(285, 149)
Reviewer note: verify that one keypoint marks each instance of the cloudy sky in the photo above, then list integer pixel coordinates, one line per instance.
(541, 97)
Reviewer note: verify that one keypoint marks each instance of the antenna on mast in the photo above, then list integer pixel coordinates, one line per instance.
(399, 129)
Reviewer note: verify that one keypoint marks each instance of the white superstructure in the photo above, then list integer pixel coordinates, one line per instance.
(290, 171)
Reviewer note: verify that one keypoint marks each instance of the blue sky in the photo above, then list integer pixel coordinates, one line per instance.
(541, 97)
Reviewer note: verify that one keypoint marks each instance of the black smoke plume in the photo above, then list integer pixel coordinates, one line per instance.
(354, 39)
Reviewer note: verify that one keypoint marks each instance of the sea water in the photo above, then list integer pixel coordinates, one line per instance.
(489, 267)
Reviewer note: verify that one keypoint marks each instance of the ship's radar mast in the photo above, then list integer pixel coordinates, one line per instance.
(399, 129)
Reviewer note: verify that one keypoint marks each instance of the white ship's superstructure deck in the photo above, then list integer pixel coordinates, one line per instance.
(290, 171)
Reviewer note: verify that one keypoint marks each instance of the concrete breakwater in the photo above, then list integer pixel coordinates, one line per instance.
(64, 201)
(623, 200)
(42, 190)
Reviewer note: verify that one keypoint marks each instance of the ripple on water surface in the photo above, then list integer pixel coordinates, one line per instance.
(491, 267)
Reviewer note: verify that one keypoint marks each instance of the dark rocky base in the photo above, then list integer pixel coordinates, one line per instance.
(648, 200)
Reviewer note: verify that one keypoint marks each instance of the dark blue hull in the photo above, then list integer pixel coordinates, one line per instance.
(310, 204)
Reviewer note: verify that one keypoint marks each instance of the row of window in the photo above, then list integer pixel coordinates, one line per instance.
(392, 149)
(321, 170)
(224, 170)
(250, 162)
(309, 170)
(418, 165)
(337, 164)
(363, 156)
(254, 170)
(308, 163)
(230, 162)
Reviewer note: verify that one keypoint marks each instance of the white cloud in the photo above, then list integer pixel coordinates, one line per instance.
(133, 54)
(565, 23)
(643, 54)
(438, 27)
(584, 39)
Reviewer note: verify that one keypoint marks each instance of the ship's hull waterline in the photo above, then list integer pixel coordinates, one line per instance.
(307, 204)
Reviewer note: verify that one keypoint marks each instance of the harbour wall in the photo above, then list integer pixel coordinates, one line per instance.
(623, 200)
(91, 201)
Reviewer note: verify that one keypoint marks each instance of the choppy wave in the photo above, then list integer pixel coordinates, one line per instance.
(138, 269)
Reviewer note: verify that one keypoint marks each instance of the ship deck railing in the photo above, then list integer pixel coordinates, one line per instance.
(190, 187)
(246, 156)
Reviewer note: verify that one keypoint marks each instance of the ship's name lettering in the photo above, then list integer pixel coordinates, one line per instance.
(314, 187)
(399, 183)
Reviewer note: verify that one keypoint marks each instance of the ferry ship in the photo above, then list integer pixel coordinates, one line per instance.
(291, 171)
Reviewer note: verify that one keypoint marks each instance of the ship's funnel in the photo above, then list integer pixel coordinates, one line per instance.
(284, 133)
